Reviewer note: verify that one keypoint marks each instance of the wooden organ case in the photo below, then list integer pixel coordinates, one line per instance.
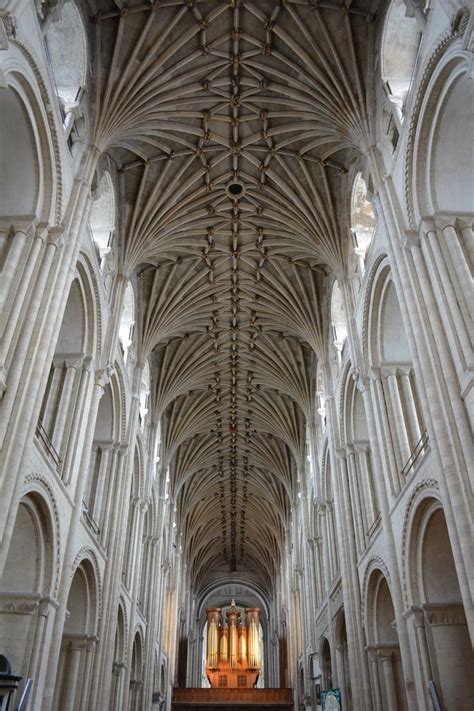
(233, 648)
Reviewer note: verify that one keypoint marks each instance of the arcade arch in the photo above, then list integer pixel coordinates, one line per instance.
(78, 641)
(438, 610)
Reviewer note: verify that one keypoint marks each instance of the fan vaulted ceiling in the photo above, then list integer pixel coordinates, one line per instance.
(233, 125)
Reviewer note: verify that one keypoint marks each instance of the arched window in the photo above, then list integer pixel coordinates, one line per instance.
(362, 220)
(67, 51)
(102, 222)
(400, 42)
(157, 448)
(321, 395)
(127, 321)
(338, 321)
(144, 394)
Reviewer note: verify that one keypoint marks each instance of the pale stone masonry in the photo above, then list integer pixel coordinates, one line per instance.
(236, 347)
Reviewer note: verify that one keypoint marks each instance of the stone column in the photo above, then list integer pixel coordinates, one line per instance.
(90, 644)
(116, 690)
(34, 666)
(322, 513)
(110, 492)
(52, 241)
(105, 449)
(77, 646)
(341, 674)
(331, 541)
(375, 681)
(71, 366)
(369, 494)
(390, 689)
(393, 479)
(417, 615)
(49, 414)
(407, 387)
(11, 315)
(351, 590)
(355, 508)
(77, 420)
(404, 449)
(447, 298)
(15, 236)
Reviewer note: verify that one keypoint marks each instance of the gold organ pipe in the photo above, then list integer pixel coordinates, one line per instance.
(232, 616)
(253, 641)
(243, 644)
(224, 646)
(213, 615)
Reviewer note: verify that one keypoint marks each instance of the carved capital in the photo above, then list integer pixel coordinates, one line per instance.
(102, 377)
(442, 222)
(55, 237)
(375, 373)
(24, 224)
(464, 224)
(410, 239)
(444, 614)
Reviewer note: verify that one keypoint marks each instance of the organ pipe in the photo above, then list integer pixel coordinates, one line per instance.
(233, 647)
(213, 615)
(253, 646)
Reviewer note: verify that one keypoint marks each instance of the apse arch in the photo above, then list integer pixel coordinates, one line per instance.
(229, 582)
(245, 595)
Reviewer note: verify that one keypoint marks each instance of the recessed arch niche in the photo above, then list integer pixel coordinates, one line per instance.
(20, 187)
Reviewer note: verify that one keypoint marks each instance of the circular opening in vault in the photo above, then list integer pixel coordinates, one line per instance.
(235, 189)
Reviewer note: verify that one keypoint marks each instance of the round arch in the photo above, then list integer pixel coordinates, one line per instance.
(27, 137)
(444, 96)
(434, 594)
